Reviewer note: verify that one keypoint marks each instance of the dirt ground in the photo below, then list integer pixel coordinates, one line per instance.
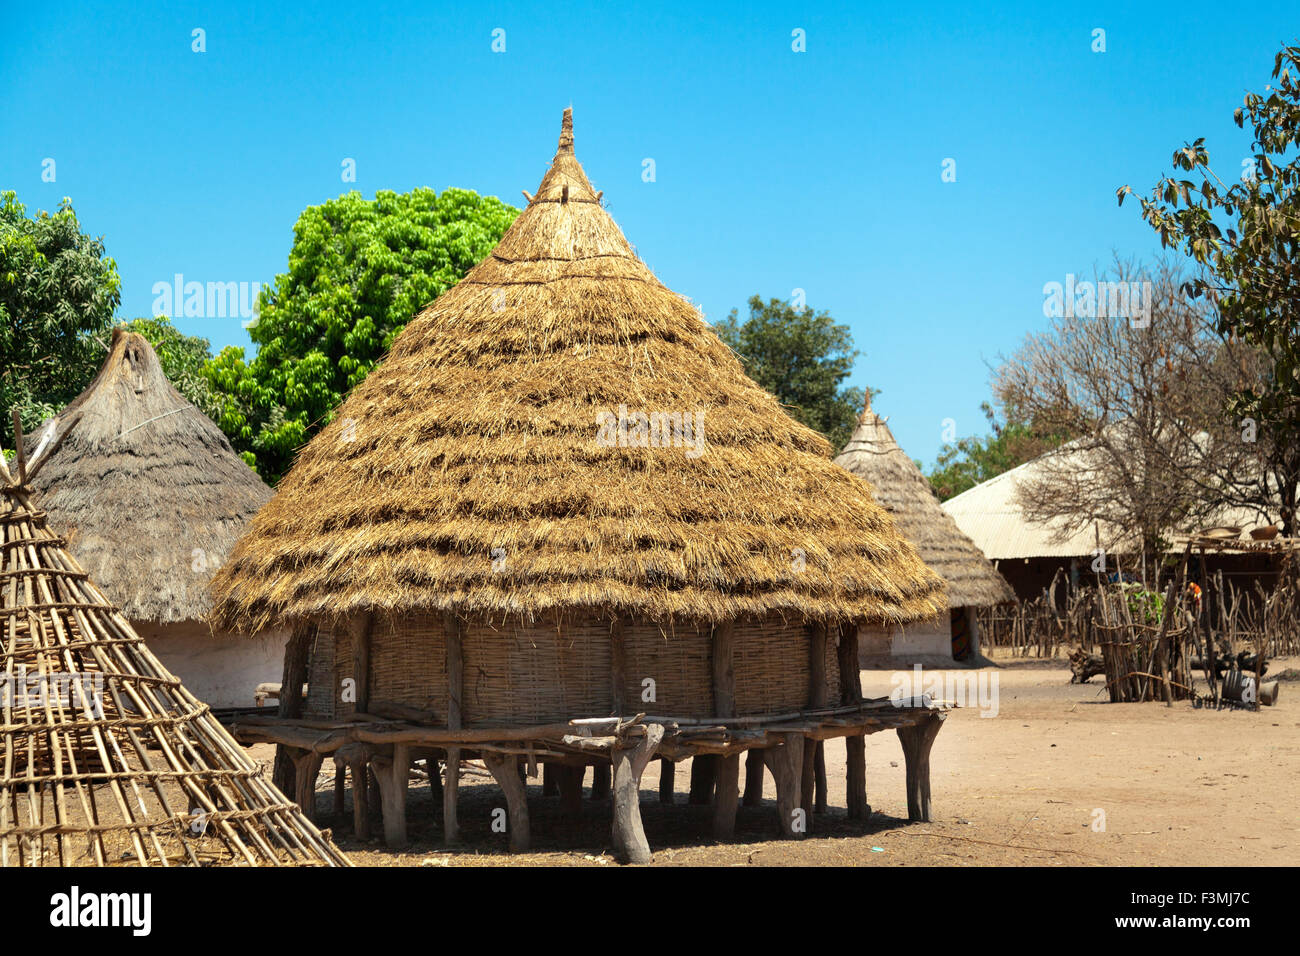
(1058, 776)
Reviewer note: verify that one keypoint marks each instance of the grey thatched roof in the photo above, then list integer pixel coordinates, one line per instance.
(874, 455)
(146, 489)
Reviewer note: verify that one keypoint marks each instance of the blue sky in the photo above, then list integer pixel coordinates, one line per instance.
(775, 170)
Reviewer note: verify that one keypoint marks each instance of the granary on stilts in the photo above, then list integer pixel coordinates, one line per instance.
(105, 758)
(896, 483)
(558, 525)
(150, 497)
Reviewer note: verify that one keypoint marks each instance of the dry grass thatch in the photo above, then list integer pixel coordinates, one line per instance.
(150, 492)
(105, 758)
(466, 473)
(872, 454)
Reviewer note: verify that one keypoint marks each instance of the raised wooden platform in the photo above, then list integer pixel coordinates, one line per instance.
(789, 745)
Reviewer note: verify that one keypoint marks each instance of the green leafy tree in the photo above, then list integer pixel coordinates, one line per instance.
(359, 270)
(802, 357)
(1246, 238)
(184, 359)
(57, 295)
(970, 461)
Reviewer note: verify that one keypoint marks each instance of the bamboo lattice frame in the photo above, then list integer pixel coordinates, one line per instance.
(105, 758)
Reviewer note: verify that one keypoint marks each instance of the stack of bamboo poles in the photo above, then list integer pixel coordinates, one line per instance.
(107, 759)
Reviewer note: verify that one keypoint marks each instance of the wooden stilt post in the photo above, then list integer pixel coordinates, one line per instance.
(393, 772)
(505, 769)
(917, 741)
(753, 778)
(550, 779)
(728, 797)
(856, 745)
(435, 779)
(704, 772)
(600, 781)
(455, 687)
(356, 757)
(569, 783)
(306, 768)
(820, 803)
(630, 758)
(667, 775)
(340, 786)
(817, 694)
(293, 676)
(786, 763)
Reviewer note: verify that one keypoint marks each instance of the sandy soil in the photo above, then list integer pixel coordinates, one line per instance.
(1059, 776)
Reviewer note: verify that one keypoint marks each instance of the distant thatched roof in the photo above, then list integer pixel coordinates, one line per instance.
(146, 488)
(898, 484)
(467, 472)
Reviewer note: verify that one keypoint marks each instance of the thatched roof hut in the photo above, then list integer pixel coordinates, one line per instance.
(152, 497)
(562, 482)
(873, 455)
(107, 758)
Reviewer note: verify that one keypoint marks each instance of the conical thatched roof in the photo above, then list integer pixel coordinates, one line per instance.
(897, 483)
(105, 757)
(147, 489)
(468, 471)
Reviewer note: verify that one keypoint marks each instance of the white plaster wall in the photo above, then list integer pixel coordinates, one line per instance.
(219, 669)
(928, 638)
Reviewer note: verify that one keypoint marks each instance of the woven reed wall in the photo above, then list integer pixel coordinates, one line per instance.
(408, 662)
(547, 672)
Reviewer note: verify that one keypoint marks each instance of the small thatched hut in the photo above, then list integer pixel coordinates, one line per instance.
(873, 455)
(151, 497)
(106, 758)
(559, 523)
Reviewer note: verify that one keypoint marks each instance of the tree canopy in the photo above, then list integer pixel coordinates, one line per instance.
(358, 272)
(1246, 237)
(802, 357)
(58, 292)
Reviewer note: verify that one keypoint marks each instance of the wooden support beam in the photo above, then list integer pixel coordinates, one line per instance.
(630, 758)
(570, 787)
(550, 779)
(505, 770)
(667, 775)
(356, 757)
(786, 763)
(917, 741)
(601, 774)
(452, 635)
(856, 744)
(753, 777)
(704, 773)
(359, 626)
(435, 779)
(293, 676)
(617, 667)
(393, 773)
(340, 785)
(728, 796)
(820, 804)
(817, 693)
(306, 768)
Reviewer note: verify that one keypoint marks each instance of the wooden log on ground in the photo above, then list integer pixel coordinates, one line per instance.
(393, 773)
(753, 778)
(505, 770)
(600, 781)
(667, 775)
(630, 759)
(728, 797)
(917, 741)
(786, 763)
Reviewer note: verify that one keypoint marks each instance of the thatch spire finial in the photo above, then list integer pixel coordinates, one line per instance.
(866, 402)
(566, 131)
